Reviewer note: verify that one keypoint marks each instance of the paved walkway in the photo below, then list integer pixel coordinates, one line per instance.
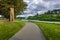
(42, 21)
(29, 32)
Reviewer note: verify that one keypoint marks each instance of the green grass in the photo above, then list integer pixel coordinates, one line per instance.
(8, 29)
(51, 31)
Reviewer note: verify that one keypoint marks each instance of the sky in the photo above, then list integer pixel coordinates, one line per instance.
(41, 6)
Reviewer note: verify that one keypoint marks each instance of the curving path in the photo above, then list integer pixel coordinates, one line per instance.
(30, 32)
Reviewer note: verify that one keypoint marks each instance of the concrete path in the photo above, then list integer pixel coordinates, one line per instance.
(41, 21)
(29, 32)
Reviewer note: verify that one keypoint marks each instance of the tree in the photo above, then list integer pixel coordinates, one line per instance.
(11, 7)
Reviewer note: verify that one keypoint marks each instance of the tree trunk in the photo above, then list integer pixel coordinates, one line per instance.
(11, 14)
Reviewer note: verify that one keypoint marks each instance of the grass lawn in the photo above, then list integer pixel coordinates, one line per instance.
(51, 31)
(8, 29)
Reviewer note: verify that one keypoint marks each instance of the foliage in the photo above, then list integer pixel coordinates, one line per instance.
(53, 15)
(55, 11)
(19, 6)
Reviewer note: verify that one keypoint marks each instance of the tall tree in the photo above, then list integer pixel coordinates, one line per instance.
(11, 7)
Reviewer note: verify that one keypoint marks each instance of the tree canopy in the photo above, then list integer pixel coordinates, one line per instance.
(55, 11)
(19, 6)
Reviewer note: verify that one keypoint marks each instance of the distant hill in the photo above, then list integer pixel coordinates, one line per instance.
(50, 15)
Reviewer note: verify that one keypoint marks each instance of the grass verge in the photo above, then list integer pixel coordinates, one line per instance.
(8, 29)
(51, 31)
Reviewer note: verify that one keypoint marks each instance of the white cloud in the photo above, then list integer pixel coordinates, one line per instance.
(48, 4)
(36, 2)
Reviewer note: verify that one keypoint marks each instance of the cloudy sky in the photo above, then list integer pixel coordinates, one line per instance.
(39, 6)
